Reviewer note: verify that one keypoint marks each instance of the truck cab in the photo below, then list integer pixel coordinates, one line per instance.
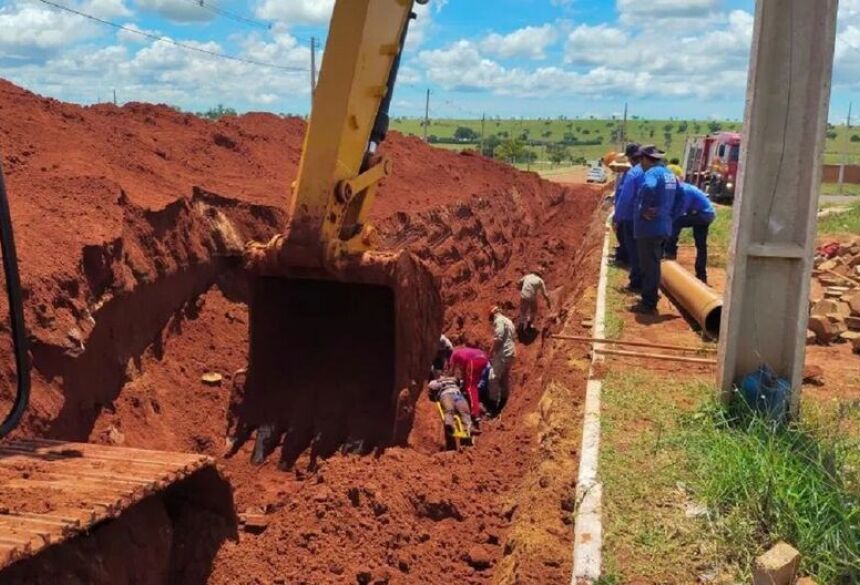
(711, 163)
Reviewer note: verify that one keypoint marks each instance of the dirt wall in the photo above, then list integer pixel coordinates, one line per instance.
(129, 221)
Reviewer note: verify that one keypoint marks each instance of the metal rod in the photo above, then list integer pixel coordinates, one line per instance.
(634, 343)
(656, 356)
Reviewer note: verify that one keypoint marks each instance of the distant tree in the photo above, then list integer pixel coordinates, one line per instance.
(579, 128)
(832, 135)
(218, 112)
(714, 126)
(557, 153)
(464, 134)
(432, 139)
(569, 137)
(547, 123)
(855, 138)
(503, 134)
(491, 143)
(546, 133)
(668, 127)
(651, 133)
(682, 127)
(511, 150)
(586, 131)
(667, 139)
(697, 128)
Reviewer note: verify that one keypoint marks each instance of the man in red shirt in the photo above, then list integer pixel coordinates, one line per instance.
(469, 363)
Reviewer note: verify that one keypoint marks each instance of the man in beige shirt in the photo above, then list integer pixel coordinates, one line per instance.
(531, 284)
(502, 357)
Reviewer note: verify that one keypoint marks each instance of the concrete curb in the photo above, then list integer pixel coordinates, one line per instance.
(588, 526)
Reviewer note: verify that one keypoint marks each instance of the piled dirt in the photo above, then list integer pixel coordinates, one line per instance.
(129, 225)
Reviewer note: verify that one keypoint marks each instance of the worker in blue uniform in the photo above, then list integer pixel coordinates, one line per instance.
(652, 222)
(693, 210)
(624, 213)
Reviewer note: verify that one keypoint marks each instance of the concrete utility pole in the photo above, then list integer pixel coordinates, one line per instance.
(426, 115)
(845, 150)
(483, 124)
(773, 238)
(624, 131)
(313, 67)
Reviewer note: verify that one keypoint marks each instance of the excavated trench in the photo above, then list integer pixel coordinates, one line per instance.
(130, 304)
(133, 378)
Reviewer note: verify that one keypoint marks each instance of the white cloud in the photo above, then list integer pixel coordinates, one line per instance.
(160, 72)
(295, 12)
(127, 36)
(179, 11)
(610, 61)
(596, 44)
(669, 8)
(530, 42)
(29, 33)
(106, 8)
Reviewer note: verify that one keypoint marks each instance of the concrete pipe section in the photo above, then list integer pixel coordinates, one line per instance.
(699, 300)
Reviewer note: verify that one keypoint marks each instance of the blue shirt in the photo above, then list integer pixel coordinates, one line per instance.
(692, 200)
(658, 191)
(625, 199)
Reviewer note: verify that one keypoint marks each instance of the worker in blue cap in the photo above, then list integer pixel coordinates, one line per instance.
(652, 223)
(693, 210)
(624, 202)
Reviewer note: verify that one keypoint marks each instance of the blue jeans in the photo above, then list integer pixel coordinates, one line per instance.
(650, 255)
(632, 254)
(701, 223)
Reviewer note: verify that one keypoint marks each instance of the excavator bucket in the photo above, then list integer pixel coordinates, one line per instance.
(342, 337)
(339, 359)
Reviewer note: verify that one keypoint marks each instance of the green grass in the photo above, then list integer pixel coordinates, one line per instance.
(667, 447)
(649, 537)
(767, 483)
(841, 223)
(833, 189)
(837, 148)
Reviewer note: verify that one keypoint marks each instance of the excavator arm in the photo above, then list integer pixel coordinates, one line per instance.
(342, 335)
(340, 170)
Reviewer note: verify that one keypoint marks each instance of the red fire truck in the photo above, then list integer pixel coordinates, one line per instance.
(711, 163)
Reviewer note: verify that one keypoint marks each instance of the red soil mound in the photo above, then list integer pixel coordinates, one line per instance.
(129, 221)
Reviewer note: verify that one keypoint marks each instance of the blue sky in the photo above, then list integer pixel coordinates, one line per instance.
(667, 58)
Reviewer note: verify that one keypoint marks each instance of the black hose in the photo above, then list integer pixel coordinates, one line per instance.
(16, 313)
(380, 125)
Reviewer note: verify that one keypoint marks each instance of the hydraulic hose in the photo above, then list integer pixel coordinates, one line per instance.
(16, 313)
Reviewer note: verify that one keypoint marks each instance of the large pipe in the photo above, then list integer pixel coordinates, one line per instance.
(702, 302)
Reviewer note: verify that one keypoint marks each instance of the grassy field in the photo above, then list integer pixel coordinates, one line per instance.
(670, 135)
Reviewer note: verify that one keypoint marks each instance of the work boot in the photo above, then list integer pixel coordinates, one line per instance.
(641, 309)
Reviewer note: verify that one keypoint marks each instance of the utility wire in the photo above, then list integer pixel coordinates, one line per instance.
(175, 43)
(231, 15)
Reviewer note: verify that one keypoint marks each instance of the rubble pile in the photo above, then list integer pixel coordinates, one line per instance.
(835, 303)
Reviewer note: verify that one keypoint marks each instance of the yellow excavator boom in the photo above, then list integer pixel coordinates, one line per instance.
(339, 173)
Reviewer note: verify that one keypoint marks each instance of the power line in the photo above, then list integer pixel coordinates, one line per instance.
(172, 42)
(231, 15)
